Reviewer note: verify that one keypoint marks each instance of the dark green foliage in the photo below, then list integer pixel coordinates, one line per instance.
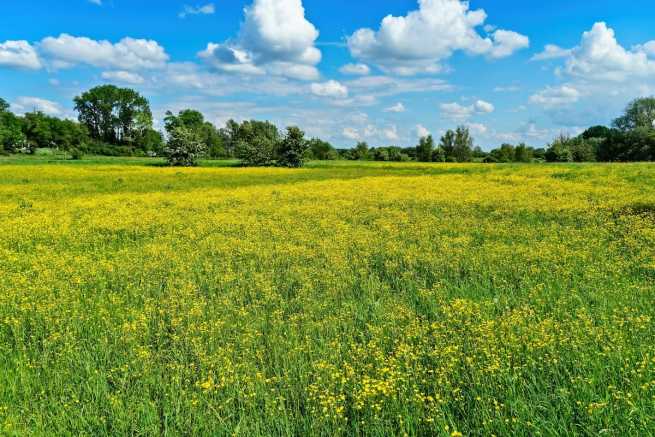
(634, 145)
(390, 154)
(559, 150)
(205, 131)
(447, 144)
(321, 150)
(184, 147)
(114, 115)
(463, 150)
(293, 148)
(439, 155)
(11, 134)
(260, 151)
(360, 152)
(424, 149)
(76, 154)
(596, 132)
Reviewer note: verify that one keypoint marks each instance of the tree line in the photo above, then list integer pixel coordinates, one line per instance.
(118, 121)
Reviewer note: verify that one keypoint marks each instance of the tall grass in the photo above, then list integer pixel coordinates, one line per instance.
(343, 299)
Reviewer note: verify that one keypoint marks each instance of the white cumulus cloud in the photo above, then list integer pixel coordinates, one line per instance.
(421, 40)
(552, 51)
(600, 56)
(457, 112)
(66, 51)
(19, 54)
(330, 88)
(556, 96)
(275, 37)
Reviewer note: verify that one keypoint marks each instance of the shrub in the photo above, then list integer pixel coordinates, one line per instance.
(184, 148)
(257, 152)
(76, 154)
(292, 149)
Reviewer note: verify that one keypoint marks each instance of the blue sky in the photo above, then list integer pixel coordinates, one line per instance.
(510, 70)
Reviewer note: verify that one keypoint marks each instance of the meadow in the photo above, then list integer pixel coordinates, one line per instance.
(338, 299)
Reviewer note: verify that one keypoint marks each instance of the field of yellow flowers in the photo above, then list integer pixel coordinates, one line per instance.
(340, 299)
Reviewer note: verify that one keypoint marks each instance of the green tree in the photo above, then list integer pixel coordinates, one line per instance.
(640, 113)
(184, 147)
(260, 151)
(463, 150)
(447, 144)
(560, 150)
(205, 131)
(360, 152)
(293, 148)
(505, 153)
(424, 149)
(523, 153)
(11, 132)
(114, 115)
(439, 155)
(321, 150)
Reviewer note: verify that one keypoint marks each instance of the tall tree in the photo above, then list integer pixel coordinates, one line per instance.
(360, 152)
(640, 113)
(11, 134)
(292, 148)
(463, 150)
(447, 144)
(424, 149)
(114, 115)
(205, 131)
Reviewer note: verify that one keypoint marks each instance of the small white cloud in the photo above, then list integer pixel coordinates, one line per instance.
(484, 107)
(96, 2)
(19, 54)
(123, 77)
(29, 104)
(208, 9)
(456, 112)
(66, 51)
(398, 107)
(556, 96)
(551, 51)
(330, 88)
(356, 69)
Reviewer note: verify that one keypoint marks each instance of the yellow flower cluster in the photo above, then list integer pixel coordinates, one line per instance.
(344, 299)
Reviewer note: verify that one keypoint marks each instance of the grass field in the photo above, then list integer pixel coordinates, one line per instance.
(340, 299)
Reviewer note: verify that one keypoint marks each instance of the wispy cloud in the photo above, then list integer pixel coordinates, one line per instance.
(208, 9)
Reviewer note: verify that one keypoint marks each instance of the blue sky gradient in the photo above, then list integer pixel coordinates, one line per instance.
(505, 90)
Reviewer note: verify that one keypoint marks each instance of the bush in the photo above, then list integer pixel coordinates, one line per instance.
(257, 152)
(76, 154)
(292, 149)
(184, 148)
